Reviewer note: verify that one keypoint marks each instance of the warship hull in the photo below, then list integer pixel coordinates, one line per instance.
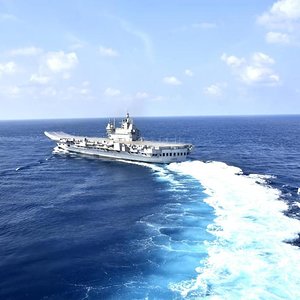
(119, 155)
(124, 143)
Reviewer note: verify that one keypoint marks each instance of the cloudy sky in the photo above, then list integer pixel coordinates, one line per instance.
(79, 58)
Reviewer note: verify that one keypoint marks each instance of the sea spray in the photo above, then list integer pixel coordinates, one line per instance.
(249, 258)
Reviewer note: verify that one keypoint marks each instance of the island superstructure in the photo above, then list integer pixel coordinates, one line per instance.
(123, 142)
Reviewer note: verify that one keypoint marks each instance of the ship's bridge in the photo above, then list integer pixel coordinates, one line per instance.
(127, 131)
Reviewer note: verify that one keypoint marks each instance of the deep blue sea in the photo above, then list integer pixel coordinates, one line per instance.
(223, 225)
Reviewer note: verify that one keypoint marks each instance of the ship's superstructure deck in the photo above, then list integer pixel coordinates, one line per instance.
(60, 136)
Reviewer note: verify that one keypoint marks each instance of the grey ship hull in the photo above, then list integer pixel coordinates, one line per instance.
(140, 151)
(120, 155)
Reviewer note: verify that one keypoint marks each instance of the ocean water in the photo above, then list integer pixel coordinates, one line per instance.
(223, 225)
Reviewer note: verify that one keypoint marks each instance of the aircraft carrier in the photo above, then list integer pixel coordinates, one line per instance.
(123, 143)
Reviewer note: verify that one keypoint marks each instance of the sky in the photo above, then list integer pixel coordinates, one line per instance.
(89, 58)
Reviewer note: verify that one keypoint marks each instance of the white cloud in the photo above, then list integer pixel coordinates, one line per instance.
(110, 92)
(27, 51)
(109, 52)
(40, 79)
(277, 38)
(75, 42)
(260, 58)
(204, 25)
(77, 45)
(142, 95)
(85, 88)
(283, 18)
(172, 80)
(213, 90)
(52, 66)
(286, 9)
(71, 92)
(8, 68)
(259, 74)
(189, 73)
(61, 61)
(282, 13)
(232, 60)
(256, 70)
(84, 91)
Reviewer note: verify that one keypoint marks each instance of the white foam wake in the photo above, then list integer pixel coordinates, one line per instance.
(58, 150)
(249, 258)
(160, 170)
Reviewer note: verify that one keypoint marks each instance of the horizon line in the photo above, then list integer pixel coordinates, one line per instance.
(174, 116)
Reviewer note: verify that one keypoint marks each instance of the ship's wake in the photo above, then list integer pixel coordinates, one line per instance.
(32, 164)
(225, 236)
(248, 256)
